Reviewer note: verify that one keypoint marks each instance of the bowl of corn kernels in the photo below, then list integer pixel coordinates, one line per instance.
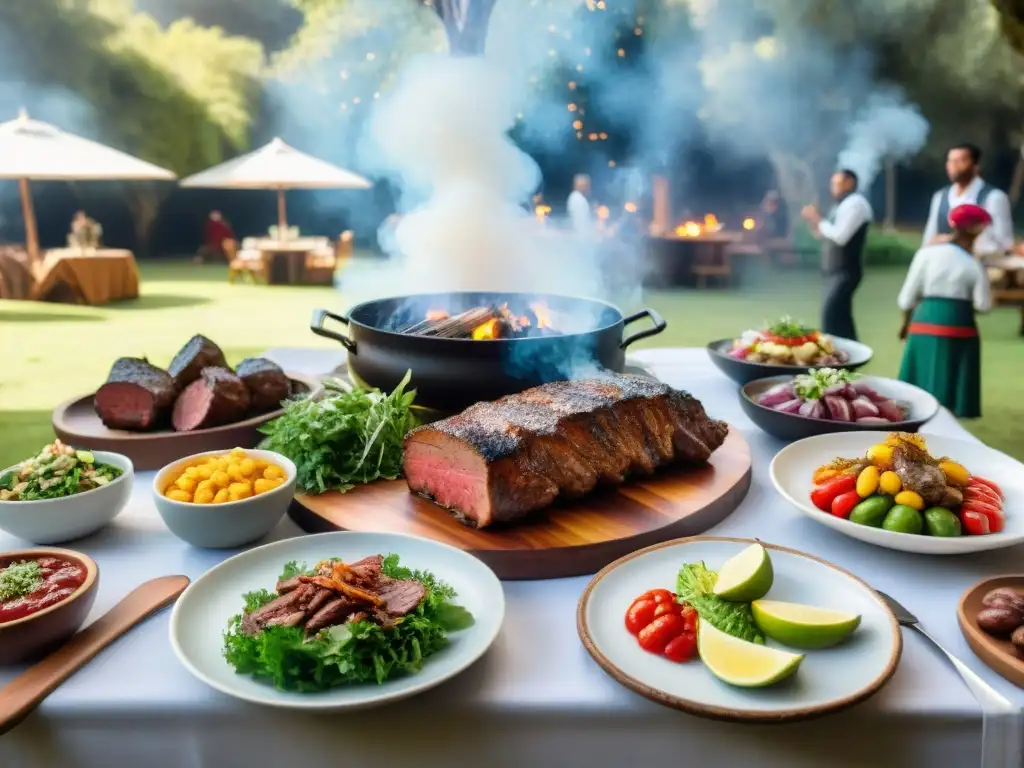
(223, 499)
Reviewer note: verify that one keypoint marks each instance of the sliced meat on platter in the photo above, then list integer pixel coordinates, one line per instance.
(337, 593)
(216, 397)
(197, 354)
(498, 461)
(266, 381)
(136, 396)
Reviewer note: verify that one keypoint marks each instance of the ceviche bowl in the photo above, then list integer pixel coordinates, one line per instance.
(741, 371)
(41, 631)
(917, 406)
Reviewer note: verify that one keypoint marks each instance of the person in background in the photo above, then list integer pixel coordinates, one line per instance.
(770, 217)
(85, 233)
(216, 231)
(581, 216)
(944, 289)
(967, 186)
(843, 235)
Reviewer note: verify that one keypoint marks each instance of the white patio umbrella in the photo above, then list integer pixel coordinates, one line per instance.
(33, 150)
(277, 166)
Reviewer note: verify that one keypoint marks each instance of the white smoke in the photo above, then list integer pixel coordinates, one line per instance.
(885, 128)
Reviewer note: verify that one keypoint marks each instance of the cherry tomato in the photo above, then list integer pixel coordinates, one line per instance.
(982, 493)
(843, 504)
(823, 495)
(994, 515)
(659, 596)
(975, 480)
(664, 609)
(975, 523)
(656, 635)
(682, 647)
(640, 614)
(689, 617)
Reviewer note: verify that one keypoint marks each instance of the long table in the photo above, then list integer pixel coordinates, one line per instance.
(536, 698)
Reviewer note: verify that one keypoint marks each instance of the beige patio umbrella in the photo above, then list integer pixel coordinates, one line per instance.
(33, 150)
(277, 166)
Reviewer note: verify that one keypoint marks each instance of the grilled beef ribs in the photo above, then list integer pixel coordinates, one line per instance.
(216, 397)
(313, 606)
(197, 354)
(498, 461)
(136, 395)
(267, 383)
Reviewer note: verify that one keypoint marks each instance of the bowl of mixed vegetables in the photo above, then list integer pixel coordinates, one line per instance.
(785, 347)
(63, 493)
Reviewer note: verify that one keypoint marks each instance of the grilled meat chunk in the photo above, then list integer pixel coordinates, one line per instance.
(198, 353)
(499, 461)
(136, 396)
(917, 475)
(267, 383)
(217, 397)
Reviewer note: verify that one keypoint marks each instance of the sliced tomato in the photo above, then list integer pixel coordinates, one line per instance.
(656, 635)
(682, 647)
(975, 523)
(823, 495)
(982, 493)
(975, 480)
(994, 515)
(640, 614)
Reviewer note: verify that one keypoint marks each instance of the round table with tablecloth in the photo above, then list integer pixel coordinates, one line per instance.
(88, 276)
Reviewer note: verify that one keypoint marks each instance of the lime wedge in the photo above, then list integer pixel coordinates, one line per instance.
(803, 626)
(737, 662)
(746, 576)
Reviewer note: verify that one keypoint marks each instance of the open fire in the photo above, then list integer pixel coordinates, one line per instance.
(482, 323)
(709, 225)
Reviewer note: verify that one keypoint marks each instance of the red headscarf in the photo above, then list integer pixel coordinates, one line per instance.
(969, 218)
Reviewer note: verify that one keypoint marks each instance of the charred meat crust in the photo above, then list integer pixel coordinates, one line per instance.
(198, 353)
(152, 381)
(267, 383)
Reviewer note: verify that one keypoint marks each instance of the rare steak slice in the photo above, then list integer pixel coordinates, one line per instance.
(216, 397)
(136, 396)
(499, 461)
(197, 354)
(267, 383)
(400, 596)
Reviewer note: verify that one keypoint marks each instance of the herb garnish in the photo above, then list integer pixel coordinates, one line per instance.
(695, 584)
(812, 385)
(357, 652)
(19, 579)
(788, 328)
(344, 436)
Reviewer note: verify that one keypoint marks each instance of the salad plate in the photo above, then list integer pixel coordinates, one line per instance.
(855, 355)
(827, 681)
(203, 612)
(793, 468)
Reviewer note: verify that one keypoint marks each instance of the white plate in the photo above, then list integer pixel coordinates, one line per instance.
(201, 615)
(793, 467)
(827, 681)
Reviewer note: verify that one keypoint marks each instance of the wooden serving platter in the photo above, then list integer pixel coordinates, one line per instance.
(998, 653)
(575, 538)
(76, 423)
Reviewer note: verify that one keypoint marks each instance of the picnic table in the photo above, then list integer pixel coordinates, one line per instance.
(536, 698)
(87, 276)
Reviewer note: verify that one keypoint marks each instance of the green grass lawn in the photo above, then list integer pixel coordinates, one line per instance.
(54, 351)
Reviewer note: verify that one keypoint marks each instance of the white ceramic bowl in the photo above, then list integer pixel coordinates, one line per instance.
(233, 523)
(53, 521)
(792, 469)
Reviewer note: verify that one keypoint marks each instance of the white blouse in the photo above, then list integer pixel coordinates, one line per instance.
(946, 271)
(997, 237)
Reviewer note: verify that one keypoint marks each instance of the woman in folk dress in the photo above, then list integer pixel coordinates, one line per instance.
(944, 289)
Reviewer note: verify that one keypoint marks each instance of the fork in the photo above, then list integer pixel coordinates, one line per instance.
(1001, 737)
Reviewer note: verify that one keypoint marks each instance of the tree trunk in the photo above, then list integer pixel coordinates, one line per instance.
(889, 222)
(465, 22)
(144, 203)
(1017, 185)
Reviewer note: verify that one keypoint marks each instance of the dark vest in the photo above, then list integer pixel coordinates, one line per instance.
(942, 225)
(845, 259)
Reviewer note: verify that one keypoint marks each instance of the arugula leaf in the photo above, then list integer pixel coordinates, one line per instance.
(293, 569)
(357, 652)
(344, 437)
(695, 584)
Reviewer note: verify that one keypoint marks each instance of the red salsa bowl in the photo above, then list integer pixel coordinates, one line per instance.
(45, 596)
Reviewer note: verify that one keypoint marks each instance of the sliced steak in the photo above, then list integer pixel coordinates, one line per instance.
(216, 397)
(267, 383)
(334, 611)
(287, 585)
(499, 461)
(278, 609)
(136, 396)
(401, 597)
(197, 354)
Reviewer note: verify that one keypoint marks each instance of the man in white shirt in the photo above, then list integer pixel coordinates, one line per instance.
(843, 236)
(967, 186)
(578, 206)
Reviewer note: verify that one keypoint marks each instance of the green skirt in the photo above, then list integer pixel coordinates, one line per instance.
(943, 354)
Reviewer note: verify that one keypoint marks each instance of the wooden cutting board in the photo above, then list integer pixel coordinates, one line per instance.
(574, 538)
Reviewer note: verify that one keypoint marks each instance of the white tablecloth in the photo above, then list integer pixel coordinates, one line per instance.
(536, 699)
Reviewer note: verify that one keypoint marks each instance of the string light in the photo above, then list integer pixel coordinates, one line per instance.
(572, 85)
(603, 135)
(572, 107)
(611, 163)
(579, 134)
(630, 207)
(577, 124)
(600, 4)
(592, 137)
(579, 67)
(638, 31)
(622, 53)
